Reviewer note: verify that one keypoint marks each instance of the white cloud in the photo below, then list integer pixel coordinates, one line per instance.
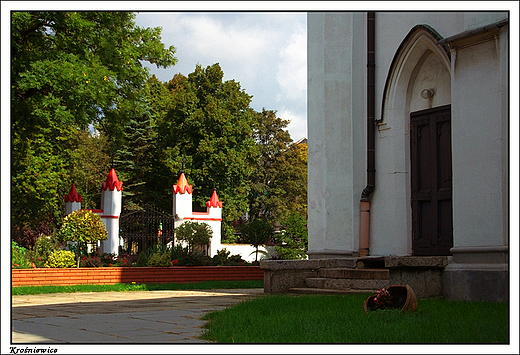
(292, 70)
(265, 52)
(298, 125)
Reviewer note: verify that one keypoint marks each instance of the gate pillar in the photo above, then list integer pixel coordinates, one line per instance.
(111, 201)
(72, 200)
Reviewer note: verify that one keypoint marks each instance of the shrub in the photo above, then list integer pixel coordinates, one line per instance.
(19, 257)
(43, 247)
(236, 260)
(108, 259)
(91, 261)
(177, 252)
(142, 260)
(223, 258)
(195, 258)
(160, 259)
(27, 236)
(61, 259)
(123, 261)
(194, 234)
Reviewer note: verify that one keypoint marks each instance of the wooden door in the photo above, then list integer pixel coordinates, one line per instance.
(432, 225)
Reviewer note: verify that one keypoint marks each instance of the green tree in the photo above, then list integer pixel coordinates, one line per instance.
(160, 178)
(292, 176)
(194, 234)
(70, 70)
(135, 158)
(279, 179)
(91, 164)
(82, 227)
(292, 242)
(257, 232)
(207, 132)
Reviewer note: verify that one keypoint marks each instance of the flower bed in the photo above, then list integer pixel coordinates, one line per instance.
(140, 275)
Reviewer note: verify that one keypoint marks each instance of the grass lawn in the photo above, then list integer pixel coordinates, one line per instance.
(340, 319)
(206, 285)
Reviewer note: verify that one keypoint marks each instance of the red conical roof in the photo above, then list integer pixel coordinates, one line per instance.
(214, 201)
(182, 185)
(112, 182)
(73, 195)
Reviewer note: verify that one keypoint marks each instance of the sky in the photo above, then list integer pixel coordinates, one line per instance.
(266, 52)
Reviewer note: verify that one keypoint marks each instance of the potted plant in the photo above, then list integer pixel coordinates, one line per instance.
(393, 297)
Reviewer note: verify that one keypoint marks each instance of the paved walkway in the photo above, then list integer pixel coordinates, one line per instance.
(118, 317)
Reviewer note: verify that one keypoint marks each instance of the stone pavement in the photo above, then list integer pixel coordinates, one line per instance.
(118, 317)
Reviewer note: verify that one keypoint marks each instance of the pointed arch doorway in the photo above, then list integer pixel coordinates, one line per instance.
(417, 102)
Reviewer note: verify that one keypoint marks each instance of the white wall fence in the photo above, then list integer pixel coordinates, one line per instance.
(247, 251)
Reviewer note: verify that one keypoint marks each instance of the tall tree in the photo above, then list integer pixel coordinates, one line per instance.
(279, 179)
(70, 70)
(208, 133)
(90, 164)
(134, 159)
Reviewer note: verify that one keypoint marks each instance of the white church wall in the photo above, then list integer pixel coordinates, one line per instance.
(337, 143)
(480, 158)
(332, 144)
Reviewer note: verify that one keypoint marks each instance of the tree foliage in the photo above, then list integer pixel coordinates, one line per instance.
(70, 70)
(82, 226)
(81, 100)
(279, 179)
(194, 234)
(292, 242)
(207, 132)
(257, 232)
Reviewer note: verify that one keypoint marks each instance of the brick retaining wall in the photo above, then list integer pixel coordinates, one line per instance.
(140, 275)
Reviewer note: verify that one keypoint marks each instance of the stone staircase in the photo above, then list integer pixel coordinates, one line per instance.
(364, 275)
(368, 276)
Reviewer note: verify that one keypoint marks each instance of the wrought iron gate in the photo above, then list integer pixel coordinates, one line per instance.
(143, 228)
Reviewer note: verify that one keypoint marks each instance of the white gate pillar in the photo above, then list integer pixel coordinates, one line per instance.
(72, 200)
(111, 201)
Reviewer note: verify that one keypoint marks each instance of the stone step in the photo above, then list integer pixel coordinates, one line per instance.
(359, 284)
(329, 291)
(346, 273)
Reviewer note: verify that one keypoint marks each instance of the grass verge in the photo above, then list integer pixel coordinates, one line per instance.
(206, 285)
(340, 319)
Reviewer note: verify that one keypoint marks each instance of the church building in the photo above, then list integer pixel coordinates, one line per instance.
(408, 125)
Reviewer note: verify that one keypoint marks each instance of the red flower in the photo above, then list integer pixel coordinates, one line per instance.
(175, 262)
(110, 264)
(34, 266)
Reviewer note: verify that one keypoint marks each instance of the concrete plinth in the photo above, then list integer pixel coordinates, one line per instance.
(476, 282)
(477, 274)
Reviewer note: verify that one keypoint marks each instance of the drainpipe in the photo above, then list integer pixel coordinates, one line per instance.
(364, 230)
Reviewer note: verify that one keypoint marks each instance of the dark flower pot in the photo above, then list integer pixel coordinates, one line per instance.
(403, 298)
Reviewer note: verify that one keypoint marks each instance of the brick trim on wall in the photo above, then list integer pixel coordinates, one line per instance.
(140, 275)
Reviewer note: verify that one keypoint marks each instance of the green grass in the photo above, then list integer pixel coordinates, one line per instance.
(340, 319)
(206, 285)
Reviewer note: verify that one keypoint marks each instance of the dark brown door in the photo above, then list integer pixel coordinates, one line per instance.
(432, 226)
